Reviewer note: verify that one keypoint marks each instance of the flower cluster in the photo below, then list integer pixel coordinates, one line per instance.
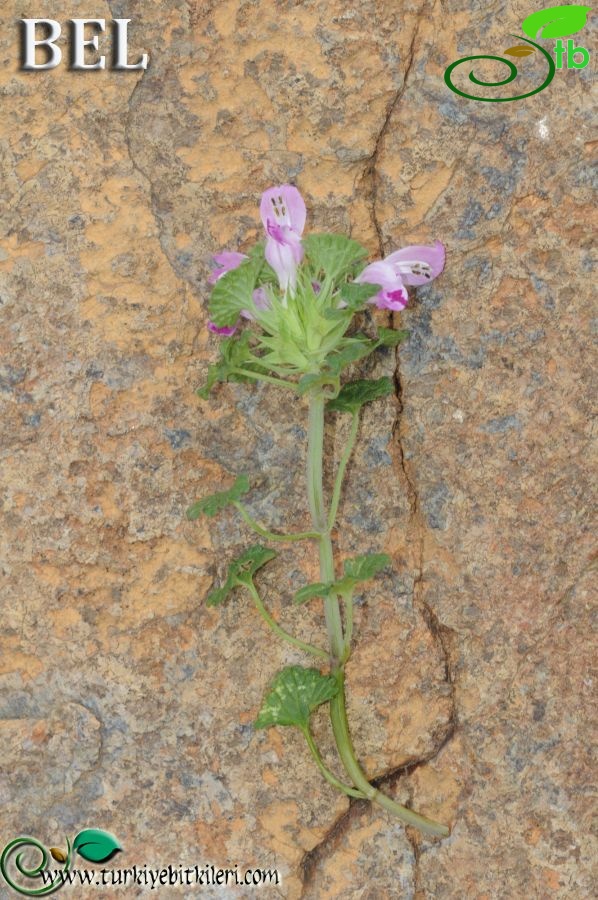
(283, 215)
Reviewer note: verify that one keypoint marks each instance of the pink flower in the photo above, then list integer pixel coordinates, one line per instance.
(225, 261)
(412, 266)
(283, 213)
(222, 332)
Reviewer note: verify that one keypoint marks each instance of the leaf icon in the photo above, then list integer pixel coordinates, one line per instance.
(556, 22)
(520, 50)
(95, 845)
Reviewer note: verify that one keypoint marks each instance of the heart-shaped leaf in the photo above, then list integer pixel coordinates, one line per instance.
(556, 22)
(96, 845)
(520, 50)
(232, 292)
(294, 695)
(355, 393)
(212, 504)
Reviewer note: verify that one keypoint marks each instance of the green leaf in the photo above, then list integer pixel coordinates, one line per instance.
(362, 568)
(251, 561)
(217, 597)
(390, 337)
(214, 376)
(351, 350)
(333, 254)
(355, 296)
(209, 506)
(556, 22)
(235, 352)
(240, 572)
(95, 845)
(355, 393)
(294, 695)
(232, 292)
(319, 589)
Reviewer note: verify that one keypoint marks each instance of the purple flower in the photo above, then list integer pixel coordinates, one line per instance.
(222, 332)
(413, 266)
(283, 213)
(225, 261)
(418, 265)
(260, 300)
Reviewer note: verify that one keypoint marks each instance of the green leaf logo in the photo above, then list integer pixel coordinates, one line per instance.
(95, 845)
(556, 22)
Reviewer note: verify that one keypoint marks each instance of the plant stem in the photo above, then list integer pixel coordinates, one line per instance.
(328, 775)
(270, 535)
(338, 646)
(340, 726)
(348, 607)
(268, 618)
(315, 495)
(258, 376)
(338, 483)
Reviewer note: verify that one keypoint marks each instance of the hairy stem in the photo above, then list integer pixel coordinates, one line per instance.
(315, 494)
(338, 482)
(348, 608)
(268, 618)
(328, 775)
(338, 645)
(271, 535)
(340, 726)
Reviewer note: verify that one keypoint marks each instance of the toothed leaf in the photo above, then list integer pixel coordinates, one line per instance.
(390, 337)
(355, 393)
(232, 292)
(293, 696)
(211, 505)
(240, 572)
(362, 568)
(333, 254)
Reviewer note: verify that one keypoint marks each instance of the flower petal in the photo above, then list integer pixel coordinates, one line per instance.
(260, 300)
(381, 273)
(283, 205)
(418, 264)
(225, 261)
(395, 299)
(284, 259)
(222, 332)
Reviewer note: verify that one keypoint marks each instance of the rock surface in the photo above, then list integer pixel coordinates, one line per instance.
(127, 705)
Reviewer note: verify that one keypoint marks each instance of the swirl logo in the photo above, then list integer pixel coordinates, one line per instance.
(92, 844)
(556, 22)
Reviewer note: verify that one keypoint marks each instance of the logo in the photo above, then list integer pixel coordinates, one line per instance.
(556, 22)
(92, 844)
